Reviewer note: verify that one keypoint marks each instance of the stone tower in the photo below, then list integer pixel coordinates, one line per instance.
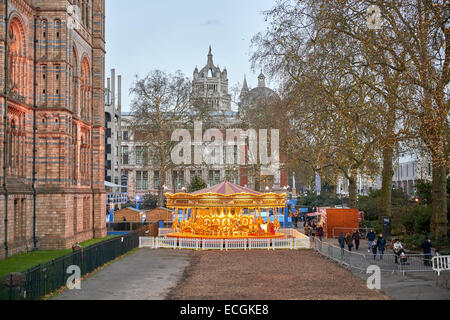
(53, 191)
(211, 85)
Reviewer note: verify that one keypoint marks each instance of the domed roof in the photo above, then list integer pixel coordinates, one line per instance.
(260, 96)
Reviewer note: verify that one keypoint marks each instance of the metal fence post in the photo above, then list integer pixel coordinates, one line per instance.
(10, 286)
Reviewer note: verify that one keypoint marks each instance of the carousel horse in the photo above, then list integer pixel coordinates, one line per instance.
(276, 224)
(175, 224)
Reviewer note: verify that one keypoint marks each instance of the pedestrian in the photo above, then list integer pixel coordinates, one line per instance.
(371, 235)
(381, 244)
(314, 229)
(374, 249)
(295, 218)
(342, 243)
(349, 241)
(320, 232)
(398, 249)
(307, 230)
(357, 237)
(426, 246)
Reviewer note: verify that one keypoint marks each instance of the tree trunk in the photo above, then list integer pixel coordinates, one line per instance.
(386, 187)
(353, 197)
(162, 182)
(257, 177)
(439, 221)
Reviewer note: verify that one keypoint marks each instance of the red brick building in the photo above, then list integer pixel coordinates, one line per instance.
(54, 76)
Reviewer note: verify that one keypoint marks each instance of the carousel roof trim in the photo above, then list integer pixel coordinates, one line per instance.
(226, 188)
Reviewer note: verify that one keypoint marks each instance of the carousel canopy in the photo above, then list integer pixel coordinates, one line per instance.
(226, 188)
(226, 194)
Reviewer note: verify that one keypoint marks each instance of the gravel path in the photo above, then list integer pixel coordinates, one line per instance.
(269, 275)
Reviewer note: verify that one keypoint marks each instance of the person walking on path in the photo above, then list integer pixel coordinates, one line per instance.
(314, 229)
(371, 235)
(342, 243)
(374, 249)
(381, 244)
(349, 241)
(426, 246)
(398, 249)
(357, 237)
(307, 230)
(320, 232)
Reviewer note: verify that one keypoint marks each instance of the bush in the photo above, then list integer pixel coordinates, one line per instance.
(370, 204)
(196, 184)
(150, 202)
(414, 241)
(417, 220)
(372, 224)
(325, 199)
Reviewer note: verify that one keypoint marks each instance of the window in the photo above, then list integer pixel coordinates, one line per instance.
(232, 176)
(213, 177)
(139, 155)
(155, 179)
(141, 180)
(125, 136)
(178, 179)
(125, 156)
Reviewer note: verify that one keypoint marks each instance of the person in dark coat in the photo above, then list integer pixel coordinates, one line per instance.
(320, 232)
(356, 236)
(371, 235)
(349, 241)
(426, 246)
(374, 249)
(342, 243)
(381, 244)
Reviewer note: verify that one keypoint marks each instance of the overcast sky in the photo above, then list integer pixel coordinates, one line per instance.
(142, 35)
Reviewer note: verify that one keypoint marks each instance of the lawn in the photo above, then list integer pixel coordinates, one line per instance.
(23, 261)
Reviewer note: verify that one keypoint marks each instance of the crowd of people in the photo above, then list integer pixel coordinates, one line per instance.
(376, 243)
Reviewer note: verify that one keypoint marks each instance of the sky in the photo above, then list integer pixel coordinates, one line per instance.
(171, 35)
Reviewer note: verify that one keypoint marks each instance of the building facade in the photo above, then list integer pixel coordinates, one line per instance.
(52, 106)
(409, 171)
(210, 84)
(113, 120)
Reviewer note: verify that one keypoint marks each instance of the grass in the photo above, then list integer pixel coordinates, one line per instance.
(23, 261)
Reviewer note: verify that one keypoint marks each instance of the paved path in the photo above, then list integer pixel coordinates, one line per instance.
(144, 275)
(424, 285)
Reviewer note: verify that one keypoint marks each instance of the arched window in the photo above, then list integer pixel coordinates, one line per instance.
(44, 38)
(74, 84)
(85, 89)
(16, 59)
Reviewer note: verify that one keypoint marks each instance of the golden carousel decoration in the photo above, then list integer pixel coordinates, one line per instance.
(225, 211)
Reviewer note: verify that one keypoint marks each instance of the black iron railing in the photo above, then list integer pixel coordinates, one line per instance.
(46, 278)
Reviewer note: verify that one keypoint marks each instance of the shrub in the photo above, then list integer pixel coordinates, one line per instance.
(417, 220)
(196, 184)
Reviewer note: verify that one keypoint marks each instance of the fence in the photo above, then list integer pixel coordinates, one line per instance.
(224, 244)
(164, 231)
(123, 226)
(46, 278)
(386, 262)
(441, 263)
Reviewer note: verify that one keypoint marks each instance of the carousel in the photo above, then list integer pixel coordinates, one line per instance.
(226, 211)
